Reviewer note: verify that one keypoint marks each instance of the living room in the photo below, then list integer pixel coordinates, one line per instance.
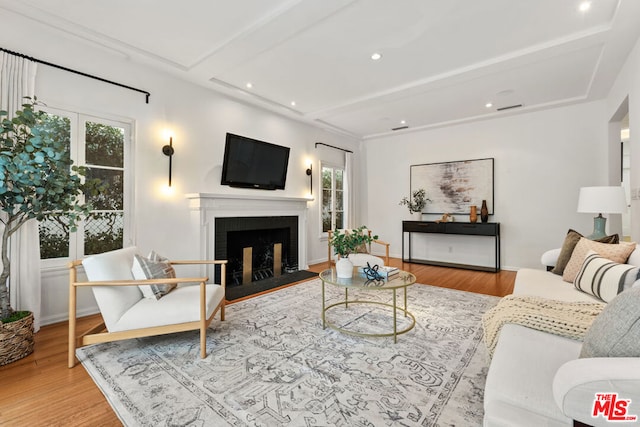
(544, 153)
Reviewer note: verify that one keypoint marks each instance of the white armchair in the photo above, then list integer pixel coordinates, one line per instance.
(128, 314)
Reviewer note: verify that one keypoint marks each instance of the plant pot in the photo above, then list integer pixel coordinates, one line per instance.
(344, 268)
(16, 340)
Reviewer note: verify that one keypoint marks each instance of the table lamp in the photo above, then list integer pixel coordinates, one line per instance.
(610, 200)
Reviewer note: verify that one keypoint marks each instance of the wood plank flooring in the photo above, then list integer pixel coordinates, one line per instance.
(40, 390)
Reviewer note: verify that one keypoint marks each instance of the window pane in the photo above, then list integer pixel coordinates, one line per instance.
(326, 178)
(54, 232)
(105, 145)
(61, 129)
(103, 232)
(339, 180)
(54, 238)
(339, 200)
(112, 197)
(326, 221)
(339, 219)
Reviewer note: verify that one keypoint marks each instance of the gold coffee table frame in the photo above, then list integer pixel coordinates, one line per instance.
(402, 280)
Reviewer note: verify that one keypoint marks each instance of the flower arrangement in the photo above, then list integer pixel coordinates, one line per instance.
(417, 202)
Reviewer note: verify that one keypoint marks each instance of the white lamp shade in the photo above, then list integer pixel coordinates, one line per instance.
(602, 200)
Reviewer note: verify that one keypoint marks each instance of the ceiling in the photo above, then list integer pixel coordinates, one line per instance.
(442, 61)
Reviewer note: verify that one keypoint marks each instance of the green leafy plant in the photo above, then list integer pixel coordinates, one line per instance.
(417, 202)
(348, 241)
(37, 180)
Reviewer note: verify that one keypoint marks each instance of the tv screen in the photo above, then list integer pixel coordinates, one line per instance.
(250, 163)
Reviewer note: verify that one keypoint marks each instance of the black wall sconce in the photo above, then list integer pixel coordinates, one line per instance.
(168, 150)
(309, 174)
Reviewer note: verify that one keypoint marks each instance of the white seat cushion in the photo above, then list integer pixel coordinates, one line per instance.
(521, 373)
(544, 284)
(178, 306)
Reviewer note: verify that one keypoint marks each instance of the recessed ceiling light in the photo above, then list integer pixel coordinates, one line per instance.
(249, 85)
(488, 105)
(376, 56)
(402, 122)
(293, 103)
(585, 6)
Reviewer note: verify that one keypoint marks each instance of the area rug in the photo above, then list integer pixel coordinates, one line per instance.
(272, 364)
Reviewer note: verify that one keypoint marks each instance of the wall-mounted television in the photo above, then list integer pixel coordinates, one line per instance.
(250, 163)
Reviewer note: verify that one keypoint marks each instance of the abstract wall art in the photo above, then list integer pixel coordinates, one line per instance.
(454, 187)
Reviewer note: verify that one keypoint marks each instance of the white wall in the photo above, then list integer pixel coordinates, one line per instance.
(199, 119)
(628, 85)
(541, 160)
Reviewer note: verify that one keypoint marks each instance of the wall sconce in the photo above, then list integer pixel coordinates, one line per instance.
(309, 174)
(167, 150)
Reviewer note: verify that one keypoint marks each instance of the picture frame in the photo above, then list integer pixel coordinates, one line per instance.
(453, 187)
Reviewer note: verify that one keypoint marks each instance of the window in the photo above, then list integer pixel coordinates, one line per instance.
(103, 147)
(332, 213)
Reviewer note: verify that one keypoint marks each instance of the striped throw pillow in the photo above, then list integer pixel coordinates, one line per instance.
(604, 278)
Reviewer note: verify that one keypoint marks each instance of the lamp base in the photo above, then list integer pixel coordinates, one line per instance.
(599, 224)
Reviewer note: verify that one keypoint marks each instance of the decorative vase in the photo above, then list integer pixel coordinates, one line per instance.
(473, 216)
(344, 268)
(484, 212)
(16, 339)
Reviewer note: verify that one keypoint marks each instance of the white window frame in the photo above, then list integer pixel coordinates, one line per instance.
(77, 135)
(323, 165)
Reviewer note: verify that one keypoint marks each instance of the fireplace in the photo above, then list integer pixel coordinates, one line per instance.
(257, 248)
(209, 212)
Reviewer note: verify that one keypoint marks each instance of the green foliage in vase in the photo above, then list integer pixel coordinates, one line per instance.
(417, 202)
(37, 180)
(346, 242)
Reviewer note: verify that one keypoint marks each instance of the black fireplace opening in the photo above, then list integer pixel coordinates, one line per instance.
(262, 253)
(263, 246)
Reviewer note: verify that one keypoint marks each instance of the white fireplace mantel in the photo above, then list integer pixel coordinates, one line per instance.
(206, 207)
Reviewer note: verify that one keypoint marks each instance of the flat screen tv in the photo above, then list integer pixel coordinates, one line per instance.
(249, 163)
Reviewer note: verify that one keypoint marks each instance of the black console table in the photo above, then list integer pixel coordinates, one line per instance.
(490, 229)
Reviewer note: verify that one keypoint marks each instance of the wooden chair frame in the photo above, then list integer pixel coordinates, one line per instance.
(380, 242)
(99, 334)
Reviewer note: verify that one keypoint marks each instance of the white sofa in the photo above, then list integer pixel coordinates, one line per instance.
(537, 379)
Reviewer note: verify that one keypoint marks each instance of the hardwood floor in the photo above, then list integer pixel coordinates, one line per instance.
(40, 390)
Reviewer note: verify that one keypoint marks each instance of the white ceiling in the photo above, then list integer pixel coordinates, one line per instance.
(442, 60)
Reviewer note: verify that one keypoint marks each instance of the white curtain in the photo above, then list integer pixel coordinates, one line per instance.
(17, 80)
(349, 190)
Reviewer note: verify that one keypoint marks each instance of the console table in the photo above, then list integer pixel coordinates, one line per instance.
(489, 229)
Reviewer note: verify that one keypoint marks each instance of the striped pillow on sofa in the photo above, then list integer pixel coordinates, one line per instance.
(604, 278)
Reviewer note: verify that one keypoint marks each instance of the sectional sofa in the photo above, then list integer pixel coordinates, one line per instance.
(538, 378)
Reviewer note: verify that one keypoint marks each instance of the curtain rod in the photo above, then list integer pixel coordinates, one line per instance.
(331, 146)
(77, 72)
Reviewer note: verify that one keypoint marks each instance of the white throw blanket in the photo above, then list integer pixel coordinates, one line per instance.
(567, 319)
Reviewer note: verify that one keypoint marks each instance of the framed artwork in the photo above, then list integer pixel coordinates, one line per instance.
(454, 187)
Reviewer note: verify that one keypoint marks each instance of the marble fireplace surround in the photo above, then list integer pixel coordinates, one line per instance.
(206, 207)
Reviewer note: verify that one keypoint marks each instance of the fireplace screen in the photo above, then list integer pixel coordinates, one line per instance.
(257, 248)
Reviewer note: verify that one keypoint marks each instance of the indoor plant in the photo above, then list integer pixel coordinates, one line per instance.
(417, 202)
(346, 242)
(37, 180)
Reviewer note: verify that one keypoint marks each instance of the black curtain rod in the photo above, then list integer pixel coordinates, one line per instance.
(76, 72)
(331, 146)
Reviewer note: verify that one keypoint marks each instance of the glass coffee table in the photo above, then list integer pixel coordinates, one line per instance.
(402, 280)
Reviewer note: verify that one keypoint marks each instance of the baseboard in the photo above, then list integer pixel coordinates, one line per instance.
(64, 317)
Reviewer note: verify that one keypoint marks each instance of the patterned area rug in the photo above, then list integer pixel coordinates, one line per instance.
(271, 364)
